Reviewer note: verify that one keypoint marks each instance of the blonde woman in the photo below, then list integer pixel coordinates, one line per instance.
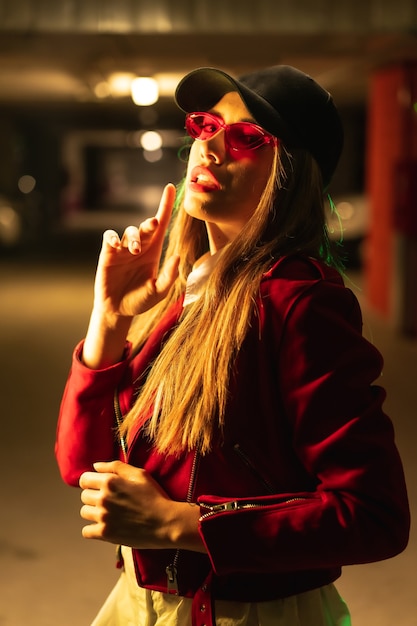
(221, 415)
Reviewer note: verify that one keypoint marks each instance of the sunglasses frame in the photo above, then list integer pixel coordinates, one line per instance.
(264, 136)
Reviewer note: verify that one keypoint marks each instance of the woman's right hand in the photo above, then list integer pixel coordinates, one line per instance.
(128, 282)
(128, 279)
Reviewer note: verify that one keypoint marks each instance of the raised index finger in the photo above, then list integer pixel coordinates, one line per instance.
(166, 204)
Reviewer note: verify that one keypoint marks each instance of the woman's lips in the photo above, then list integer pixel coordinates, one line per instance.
(202, 179)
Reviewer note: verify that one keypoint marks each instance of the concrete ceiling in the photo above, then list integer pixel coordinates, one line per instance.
(54, 51)
(68, 67)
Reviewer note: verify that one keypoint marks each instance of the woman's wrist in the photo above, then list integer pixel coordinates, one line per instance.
(183, 527)
(105, 341)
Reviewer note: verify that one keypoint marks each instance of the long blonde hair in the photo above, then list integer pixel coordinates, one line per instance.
(187, 386)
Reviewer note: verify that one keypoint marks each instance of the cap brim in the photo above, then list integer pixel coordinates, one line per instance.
(202, 88)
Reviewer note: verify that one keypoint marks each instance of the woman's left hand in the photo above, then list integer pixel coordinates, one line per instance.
(126, 506)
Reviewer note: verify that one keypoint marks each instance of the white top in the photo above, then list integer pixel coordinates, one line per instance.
(131, 605)
(199, 275)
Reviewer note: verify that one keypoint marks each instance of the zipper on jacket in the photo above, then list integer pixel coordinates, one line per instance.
(172, 569)
(172, 579)
(119, 421)
(234, 505)
(250, 465)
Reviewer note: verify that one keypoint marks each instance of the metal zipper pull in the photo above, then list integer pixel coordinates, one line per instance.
(212, 509)
(172, 581)
(172, 570)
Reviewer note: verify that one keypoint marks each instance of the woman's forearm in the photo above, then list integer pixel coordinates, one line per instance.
(105, 340)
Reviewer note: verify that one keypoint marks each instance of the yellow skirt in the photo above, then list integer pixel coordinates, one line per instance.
(130, 605)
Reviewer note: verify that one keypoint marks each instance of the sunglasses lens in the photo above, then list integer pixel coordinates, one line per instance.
(201, 126)
(239, 136)
(245, 136)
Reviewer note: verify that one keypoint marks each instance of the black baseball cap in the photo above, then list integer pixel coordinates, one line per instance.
(283, 100)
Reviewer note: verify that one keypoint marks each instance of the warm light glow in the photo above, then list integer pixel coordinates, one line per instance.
(102, 90)
(345, 210)
(152, 156)
(151, 141)
(10, 226)
(120, 83)
(144, 91)
(26, 183)
(167, 83)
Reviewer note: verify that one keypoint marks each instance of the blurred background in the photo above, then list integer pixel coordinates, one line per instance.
(89, 135)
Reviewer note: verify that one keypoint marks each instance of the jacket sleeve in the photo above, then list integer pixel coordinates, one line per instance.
(86, 425)
(358, 512)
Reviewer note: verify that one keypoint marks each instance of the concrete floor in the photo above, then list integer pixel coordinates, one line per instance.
(49, 575)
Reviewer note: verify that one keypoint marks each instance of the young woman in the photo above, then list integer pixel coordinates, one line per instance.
(253, 459)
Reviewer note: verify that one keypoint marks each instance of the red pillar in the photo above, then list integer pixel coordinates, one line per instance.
(390, 265)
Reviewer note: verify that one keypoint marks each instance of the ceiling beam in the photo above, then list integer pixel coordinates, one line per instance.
(206, 16)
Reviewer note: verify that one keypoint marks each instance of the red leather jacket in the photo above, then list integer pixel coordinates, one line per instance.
(307, 478)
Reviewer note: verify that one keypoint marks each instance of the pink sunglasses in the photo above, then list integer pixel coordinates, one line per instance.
(238, 137)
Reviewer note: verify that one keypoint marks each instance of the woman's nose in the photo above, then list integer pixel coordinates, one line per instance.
(214, 148)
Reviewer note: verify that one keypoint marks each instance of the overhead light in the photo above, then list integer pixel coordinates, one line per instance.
(151, 140)
(120, 83)
(26, 183)
(152, 156)
(144, 91)
(102, 90)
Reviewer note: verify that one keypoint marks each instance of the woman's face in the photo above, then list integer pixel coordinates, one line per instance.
(223, 187)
